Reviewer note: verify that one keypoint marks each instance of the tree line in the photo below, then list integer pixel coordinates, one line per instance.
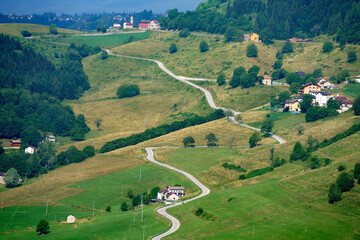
(160, 131)
(277, 19)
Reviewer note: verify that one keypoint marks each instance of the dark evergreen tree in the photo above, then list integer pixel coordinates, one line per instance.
(204, 47)
(124, 207)
(251, 50)
(298, 152)
(356, 106)
(327, 47)
(173, 48)
(221, 79)
(287, 48)
(334, 193)
(43, 227)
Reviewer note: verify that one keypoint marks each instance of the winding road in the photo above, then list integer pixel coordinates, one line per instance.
(175, 223)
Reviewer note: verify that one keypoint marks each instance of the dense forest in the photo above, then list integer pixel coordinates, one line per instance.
(23, 67)
(278, 19)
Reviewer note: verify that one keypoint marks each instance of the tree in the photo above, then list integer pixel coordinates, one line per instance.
(30, 136)
(334, 193)
(251, 50)
(351, 57)
(283, 96)
(357, 171)
(43, 227)
(345, 181)
(173, 48)
(232, 34)
(104, 55)
(11, 178)
(199, 211)
(204, 47)
(103, 29)
(124, 207)
(294, 87)
(356, 106)
(53, 29)
(98, 28)
(254, 69)
(88, 151)
(184, 33)
(267, 126)
(300, 128)
(235, 80)
(153, 192)
(278, 64)
(342, 76)
(211, 140)
(311, 143)
(266, 35)
(98, 123)
(306, 103)
(108, 209)
(298, 152)
(287, 48)
(127, 91)
(293, 77)
(317, 73)
(188, 141)
(333, 104)
(341, 168)
(327, 47)
(254, 139)
(221, 79)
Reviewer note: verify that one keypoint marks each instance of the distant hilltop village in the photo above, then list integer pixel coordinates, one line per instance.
(143, 25)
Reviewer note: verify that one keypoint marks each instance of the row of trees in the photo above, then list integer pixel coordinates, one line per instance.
(242, 78)
(211, 140)
(160, 131)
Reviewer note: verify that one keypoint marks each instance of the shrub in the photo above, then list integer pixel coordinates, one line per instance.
(188, 141)
(233, 167)
(221, 79)
(204, 47)
(327, 47)
(199, 211)
(254, 139)
(124, 207)
(251, 50)
(11, 178)
(173, 48)
(127, 91)
(53, 29)
(345, 181)
(334, 193)
(341, 168)
(298, 152)
(88, 151)
(26, 33)
(184, 33)
(259, 172)
(351, 57)
(104, 54)
(357, 171)
(108, 209)
(242, 177)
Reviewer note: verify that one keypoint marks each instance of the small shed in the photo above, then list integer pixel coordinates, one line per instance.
(71, 219)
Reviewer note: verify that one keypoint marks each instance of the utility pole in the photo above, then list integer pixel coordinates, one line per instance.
(93, 208)
(140, 175)
(142, 209)
(140, 151)
(143, 232)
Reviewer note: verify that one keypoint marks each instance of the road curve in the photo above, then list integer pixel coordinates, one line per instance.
(175, 224)
(208, 96)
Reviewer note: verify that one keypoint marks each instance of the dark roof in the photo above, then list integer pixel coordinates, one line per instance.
(301, 74)
(299, 97)
(308, 84)
(291, 101)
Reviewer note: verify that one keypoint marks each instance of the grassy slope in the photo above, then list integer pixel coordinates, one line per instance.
(37, 30)
(278, 204)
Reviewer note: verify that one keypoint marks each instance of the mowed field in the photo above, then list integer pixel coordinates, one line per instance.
(37, 30)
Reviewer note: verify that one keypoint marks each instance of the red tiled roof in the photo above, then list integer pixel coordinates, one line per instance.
(267, 77)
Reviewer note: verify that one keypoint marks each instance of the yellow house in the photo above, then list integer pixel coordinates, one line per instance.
(254, 37)
(293, 105)
(309, 87)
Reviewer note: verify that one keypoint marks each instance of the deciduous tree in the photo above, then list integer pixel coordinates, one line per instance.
(43, 227)
(334, 193)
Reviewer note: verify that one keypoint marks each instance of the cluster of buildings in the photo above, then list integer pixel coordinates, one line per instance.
(171, 194)
(320, 97)
(31, 149)
(251, 37)
(143, 25)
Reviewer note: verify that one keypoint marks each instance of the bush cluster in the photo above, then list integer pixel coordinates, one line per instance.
(160, 131)
(256, 172)
(127, 91)
(233, 167)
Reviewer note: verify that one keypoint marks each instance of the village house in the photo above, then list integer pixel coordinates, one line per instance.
(267, 80)
(251, 37)
(129, 25)
(293, 105)
(15, 143)
(357, 79)
(171, 194)
(144, 24)
(309, 87)
(50, 138)
(31, 150)
(116, 25)
(324, 84)
(300, 73)
(321, 98)
(345, 104)
(154, 25)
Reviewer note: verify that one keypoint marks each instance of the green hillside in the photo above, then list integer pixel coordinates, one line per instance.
(36, 30)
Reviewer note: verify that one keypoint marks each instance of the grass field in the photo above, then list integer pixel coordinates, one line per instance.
(37, 30)
(106, 41)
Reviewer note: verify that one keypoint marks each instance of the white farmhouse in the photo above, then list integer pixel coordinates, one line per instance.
(171, 194)
(154, 25)
(129, 25)
(70, 219)
(30, 150)
(51, 138)
(116, 25)
(357, 79)
(321, 98)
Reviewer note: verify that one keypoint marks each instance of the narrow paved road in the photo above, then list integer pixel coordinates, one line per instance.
(175, 224)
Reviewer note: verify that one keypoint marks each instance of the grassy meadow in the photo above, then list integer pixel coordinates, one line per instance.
(36, 30)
